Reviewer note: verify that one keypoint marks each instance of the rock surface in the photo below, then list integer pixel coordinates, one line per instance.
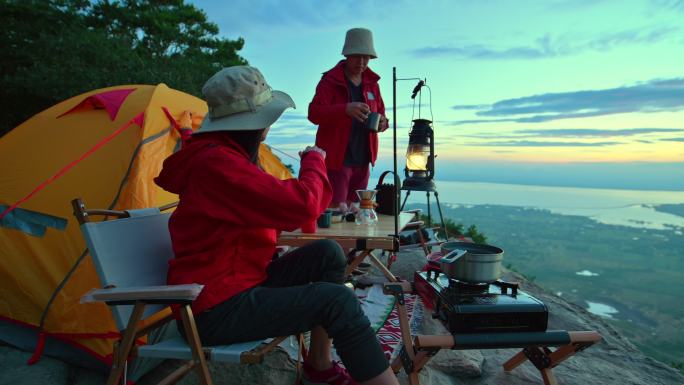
(614, 361)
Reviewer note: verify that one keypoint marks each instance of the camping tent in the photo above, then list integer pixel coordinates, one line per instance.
(104, 146)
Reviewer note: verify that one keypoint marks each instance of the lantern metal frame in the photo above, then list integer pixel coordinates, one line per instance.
(421, 134)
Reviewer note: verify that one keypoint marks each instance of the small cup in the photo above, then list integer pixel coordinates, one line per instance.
(336, 216)
(373, 121)
(325, 219)
(309, 227)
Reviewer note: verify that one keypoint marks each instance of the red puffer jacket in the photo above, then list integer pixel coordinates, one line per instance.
(224, 229)
(327, 109)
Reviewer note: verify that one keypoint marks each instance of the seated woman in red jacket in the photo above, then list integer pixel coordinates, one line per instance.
(224, 237)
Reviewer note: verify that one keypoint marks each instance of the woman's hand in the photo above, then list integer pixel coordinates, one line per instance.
(358, 111)
(312, 148)
(384, 123)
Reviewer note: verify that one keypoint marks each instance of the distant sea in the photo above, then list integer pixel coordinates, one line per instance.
(632, 208)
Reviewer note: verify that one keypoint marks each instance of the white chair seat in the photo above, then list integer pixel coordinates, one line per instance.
(172, 348)
(177, 348)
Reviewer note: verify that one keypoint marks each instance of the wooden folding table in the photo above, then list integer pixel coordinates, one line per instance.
(349, 235)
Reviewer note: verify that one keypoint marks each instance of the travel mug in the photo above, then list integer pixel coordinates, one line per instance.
(325, 219)
(373, 121)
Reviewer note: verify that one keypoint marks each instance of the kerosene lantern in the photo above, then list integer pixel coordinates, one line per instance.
(420, 157)
(420, 166)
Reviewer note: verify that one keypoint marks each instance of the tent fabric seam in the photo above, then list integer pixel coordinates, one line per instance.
(130, 164)
(59, 288)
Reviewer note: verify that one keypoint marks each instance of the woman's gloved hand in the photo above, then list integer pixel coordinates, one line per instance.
(384, 123)
(312, 148)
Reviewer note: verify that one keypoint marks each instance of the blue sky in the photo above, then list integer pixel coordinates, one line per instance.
(585, 85)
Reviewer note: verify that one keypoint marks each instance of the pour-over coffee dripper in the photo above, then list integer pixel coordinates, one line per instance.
(366, 214)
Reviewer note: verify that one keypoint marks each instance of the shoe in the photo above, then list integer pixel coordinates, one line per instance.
(364, 266)
(336, 375)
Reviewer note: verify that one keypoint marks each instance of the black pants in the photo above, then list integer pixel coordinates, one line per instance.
(304, 289)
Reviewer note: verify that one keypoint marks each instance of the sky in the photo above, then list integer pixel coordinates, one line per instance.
(588, 90)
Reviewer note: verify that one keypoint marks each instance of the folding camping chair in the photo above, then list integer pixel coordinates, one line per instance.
(131, 254)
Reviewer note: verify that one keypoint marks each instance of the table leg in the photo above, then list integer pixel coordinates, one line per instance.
(368, 253)
(396, 364)
(356, 261)
(548, 377)
(382, 267)
(515, 361)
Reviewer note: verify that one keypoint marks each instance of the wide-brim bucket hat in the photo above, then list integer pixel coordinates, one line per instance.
(239, 99)
(359, 41)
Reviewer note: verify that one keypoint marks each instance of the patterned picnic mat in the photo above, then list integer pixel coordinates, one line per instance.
(384, 316)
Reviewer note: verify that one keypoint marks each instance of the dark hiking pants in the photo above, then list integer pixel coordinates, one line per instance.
(304, 289)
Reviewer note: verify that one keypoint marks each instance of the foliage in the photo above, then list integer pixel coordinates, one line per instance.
(56, 49)
(475, 235)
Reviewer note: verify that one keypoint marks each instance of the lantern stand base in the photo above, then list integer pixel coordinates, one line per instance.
(420, 184)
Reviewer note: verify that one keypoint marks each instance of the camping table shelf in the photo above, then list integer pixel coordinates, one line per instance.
(352, 236)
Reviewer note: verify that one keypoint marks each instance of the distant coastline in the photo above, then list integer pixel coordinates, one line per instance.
(674, 209)
(642, 176)
(633, 208)
(673, 187)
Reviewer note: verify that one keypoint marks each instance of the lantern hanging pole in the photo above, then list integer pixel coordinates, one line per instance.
(397, 197)
(397, 194)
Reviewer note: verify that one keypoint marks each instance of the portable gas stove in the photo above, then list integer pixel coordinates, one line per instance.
(497, 307)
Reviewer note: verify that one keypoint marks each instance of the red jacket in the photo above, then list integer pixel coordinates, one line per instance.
(327, 109)
(224, 229)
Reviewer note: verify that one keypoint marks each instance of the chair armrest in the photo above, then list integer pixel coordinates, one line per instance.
(414, 225)
(414, 211)
(149, 294)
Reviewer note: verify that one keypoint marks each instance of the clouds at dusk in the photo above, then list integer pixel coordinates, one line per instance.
(530, 143)
(660, 95)
(594, 132)
(550, 46)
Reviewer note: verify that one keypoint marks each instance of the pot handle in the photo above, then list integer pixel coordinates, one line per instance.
(453, 256)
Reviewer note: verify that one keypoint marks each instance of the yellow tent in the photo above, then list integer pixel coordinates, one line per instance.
(104, 146)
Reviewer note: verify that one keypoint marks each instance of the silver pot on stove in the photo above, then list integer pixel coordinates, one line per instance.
(471, 262)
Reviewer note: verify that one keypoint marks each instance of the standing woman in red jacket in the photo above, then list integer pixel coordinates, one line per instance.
(224, 237)
(345, 97)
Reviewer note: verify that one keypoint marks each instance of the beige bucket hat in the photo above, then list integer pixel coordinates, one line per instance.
(359, 41)
(239, 99)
